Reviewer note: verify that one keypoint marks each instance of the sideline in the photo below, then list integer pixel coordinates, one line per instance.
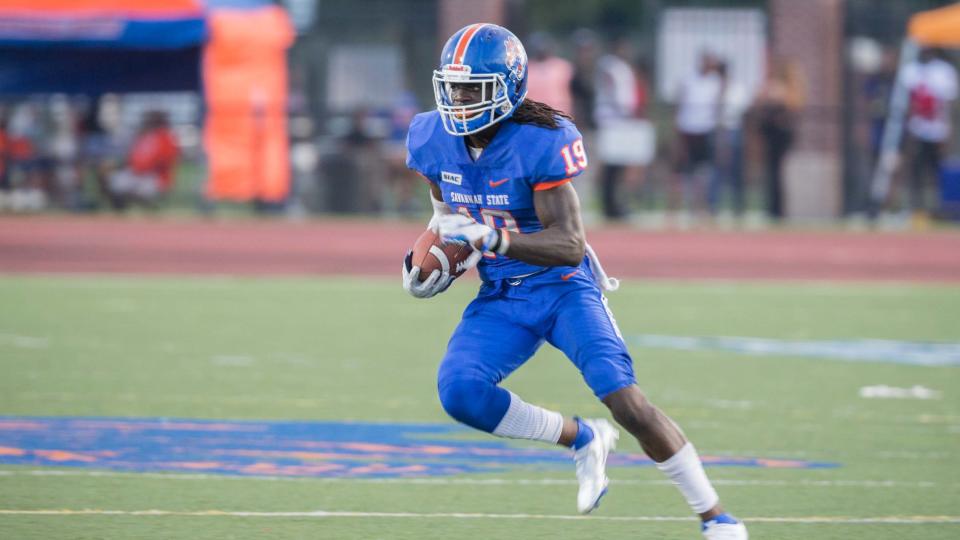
(869, 484)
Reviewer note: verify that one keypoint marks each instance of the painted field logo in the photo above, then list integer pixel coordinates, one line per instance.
(317, 449)
(914, 353)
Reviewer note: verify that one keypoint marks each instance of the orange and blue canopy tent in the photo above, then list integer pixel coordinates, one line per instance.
(232, 50)
(95, 46)
(937, 27)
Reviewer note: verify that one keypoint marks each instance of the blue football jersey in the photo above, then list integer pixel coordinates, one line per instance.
(497, 188)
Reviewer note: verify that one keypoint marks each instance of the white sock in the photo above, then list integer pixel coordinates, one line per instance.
(686, 472)
(526, 421)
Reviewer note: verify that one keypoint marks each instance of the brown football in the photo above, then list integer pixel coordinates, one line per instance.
(430, 254)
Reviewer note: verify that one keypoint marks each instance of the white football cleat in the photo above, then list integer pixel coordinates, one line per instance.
(591, 461)
(724, 527)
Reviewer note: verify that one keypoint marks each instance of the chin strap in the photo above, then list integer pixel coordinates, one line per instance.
(606, 283)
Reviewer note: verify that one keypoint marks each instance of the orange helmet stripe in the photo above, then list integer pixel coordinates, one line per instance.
(465, 42)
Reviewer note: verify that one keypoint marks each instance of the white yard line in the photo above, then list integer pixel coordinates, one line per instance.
(478, 481)
(24, 342)
(842, 520)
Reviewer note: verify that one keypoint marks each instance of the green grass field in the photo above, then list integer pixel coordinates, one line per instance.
(350, 349)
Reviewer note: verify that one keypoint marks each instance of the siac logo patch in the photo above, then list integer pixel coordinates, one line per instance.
(451, 178)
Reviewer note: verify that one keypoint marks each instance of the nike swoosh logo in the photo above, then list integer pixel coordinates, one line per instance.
(568, 276)
(495, 183)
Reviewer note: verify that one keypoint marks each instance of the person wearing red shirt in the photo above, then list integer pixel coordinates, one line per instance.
(149, 174)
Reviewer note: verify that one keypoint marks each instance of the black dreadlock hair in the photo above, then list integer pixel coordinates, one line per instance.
(540, 114)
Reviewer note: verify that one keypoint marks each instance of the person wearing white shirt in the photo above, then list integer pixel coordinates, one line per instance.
(615, 101)
(728, 163)
(932, 83)
(698, 107)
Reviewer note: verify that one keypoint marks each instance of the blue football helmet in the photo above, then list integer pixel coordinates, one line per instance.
(491, 57)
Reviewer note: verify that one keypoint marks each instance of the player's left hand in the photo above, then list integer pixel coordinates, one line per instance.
(434, 284)
(461, 228)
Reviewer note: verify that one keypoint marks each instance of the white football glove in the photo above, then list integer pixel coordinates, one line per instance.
(435, 284)
(463, 229)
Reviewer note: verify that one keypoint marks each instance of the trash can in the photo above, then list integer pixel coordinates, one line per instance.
(950, 189)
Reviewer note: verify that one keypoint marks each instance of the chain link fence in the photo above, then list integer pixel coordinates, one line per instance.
(357, 76)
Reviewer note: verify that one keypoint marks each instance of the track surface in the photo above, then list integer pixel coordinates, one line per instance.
(158, 246)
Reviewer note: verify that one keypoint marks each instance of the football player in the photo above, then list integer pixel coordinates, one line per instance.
(499, 168)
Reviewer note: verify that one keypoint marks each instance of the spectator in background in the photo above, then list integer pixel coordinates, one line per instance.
(353, 174)
(583, 96)
(698, 106)
(94, 148)
(403, 183)
(149, 172)
(4, 158)
(616, 100)
(641, 74)
(932, 83)
(549, 75)
(29, 166)
(634, 173)
(65, 187)
(877, 88)
(873, 73)
(583, 90)
(728, 163)
(778, 107)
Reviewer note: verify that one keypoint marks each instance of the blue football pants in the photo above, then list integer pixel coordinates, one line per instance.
(506, 324)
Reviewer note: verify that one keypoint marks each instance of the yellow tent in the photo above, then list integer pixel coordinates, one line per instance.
(937, 27)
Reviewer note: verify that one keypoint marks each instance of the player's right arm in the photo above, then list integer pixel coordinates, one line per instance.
(562, 240)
